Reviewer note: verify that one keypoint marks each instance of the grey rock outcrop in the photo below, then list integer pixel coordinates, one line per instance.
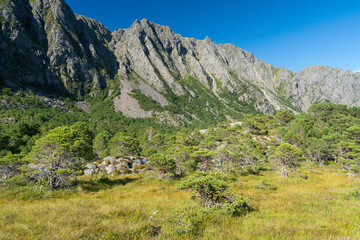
(112, 165)
(90, 169)
(110, 169)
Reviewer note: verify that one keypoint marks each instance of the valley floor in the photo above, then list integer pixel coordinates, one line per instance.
(323, 206)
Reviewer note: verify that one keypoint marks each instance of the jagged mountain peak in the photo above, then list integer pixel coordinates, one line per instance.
(207, 39)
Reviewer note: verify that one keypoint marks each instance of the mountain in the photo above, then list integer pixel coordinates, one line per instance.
(148, 70)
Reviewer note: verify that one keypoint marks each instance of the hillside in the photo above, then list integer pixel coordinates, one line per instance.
(147, 70)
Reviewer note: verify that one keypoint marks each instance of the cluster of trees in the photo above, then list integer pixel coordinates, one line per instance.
(50, 145)
(327, 133)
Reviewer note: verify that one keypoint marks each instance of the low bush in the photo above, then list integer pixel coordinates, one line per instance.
(213, 190)
(186, 222)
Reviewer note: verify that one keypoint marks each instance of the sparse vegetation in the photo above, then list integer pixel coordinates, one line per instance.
(146, 103)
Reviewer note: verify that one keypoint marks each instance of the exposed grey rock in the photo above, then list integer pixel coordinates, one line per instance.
(121, 166)
(102, 167)
(110, 164)
(8, 120)
(110, 159)
(83, 105)
(350, 174)
(203, 131)
(144, 160)
(233, 124)
(222, 146)
(110, 169)
(137, 162)
(90, 169)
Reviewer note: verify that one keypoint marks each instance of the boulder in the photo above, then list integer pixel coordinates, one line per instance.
(124, 164)
(350, 174)
(110, 159)
(222, 146)
(139, 161)
(145, 160)
(114, 162)
(102, 167)
(90, 169)
(110, 169)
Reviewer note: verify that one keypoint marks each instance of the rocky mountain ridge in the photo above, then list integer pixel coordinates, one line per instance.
(148, 70)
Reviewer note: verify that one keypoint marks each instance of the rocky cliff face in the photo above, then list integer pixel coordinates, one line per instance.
(153, 71)
(44, 43)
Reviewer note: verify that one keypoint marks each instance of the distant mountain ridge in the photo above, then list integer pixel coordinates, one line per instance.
(148, 70)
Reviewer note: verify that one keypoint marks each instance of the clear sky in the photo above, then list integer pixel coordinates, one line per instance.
(292, 34)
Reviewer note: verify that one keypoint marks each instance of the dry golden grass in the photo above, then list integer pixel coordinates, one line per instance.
(313, 208)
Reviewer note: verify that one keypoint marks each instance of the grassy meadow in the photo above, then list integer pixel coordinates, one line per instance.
(315, 203)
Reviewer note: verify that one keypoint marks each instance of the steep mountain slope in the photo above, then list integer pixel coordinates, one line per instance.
(44, 43)
(148, 70)
(320, 83)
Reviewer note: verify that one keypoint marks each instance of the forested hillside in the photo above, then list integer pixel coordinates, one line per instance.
(328, 133)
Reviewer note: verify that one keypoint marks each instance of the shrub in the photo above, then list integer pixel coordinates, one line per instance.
(10, 165)
(186, 222)
(237, 205)
(213, 189)
(264, 184)
(353, 194)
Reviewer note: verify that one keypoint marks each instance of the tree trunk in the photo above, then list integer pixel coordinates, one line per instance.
(284, 171)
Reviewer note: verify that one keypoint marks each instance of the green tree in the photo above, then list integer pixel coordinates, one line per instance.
(251, 155)
(353, 133)
(332, 140)
(182, 156)
(122, 146)
(204, 158)
(60, 154)
(155, 144)
(164, 164)
(349, 155)
(284, 117)
(101, 144)
(256, 125)
(281, 132)
(302, 126)
(4, 141)
(287, 157)
(318, 150)
(323, 112)
(292, 138)
(10, 165)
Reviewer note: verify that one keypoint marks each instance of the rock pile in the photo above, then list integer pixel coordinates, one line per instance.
(113, 165)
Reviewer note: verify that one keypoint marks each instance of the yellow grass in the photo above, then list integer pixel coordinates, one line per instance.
(298, 209)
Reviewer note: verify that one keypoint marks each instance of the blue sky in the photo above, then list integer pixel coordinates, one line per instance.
(292, 34)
